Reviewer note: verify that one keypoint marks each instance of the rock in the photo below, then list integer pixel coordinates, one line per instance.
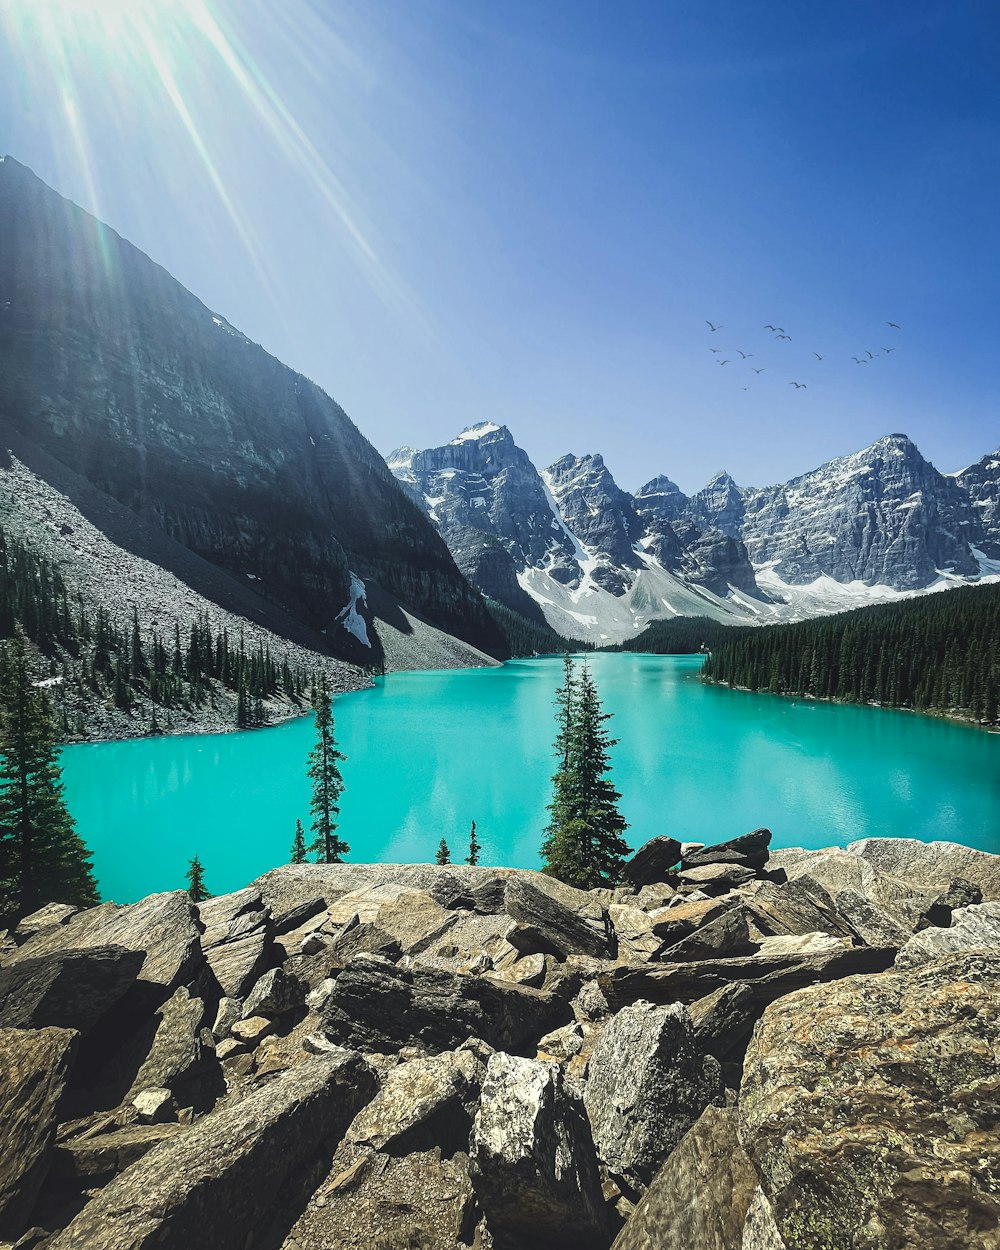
(230, 1010)
(237, 940)
(590, 1003)
(869, 1108)
(960, 893)
(252, 1030)
(422, 1105)
(682, 917)
(87, 1162)
(361, 938)
(528, 970)
(216, 1183)
(415, 921)
(724, 1019)
(46, 917)
(69, 989)
(647, 1084)
(716, 878)
(274, 995)
(378, 1007)
(154, 1106)
(652, 897)
(633, 930)
(420, 1201)
(34, 1067)
(312, 944)
(769, 976)
(700, 1197)
(750, 851)
(931, 865)
(545, 924)
(760, 1231)
(652, 861)
(561, 1044)
(533, 1163)
(163, 927)
(801, 944)
(800, 906)
(727, 934)
(177, 1058)
(874, 925)
(972, 928)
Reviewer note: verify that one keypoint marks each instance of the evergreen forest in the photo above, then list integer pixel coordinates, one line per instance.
(938, 653)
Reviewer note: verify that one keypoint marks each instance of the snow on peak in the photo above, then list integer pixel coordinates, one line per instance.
(401, 458)
(473, 432)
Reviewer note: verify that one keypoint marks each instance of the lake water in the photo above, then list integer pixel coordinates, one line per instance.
(430, 752)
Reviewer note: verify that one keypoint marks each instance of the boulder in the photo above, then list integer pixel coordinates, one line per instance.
(422, 1104)
(415, 920)
(716, 878)
(972, 928)
(274, 995)
(561, 1044)
(544, 923)
(154, 1106)
(533, 1162)
(46, 917)
(377, 1006)
(217, 1183)
(799, 906)
(633, 930)
(529, 970)
(931, 865)
(724, 1019)
(237, 940)
(70, 989)
(727, 934)
(682, 917)
(34, 1066)
(701, 1195)
(869, 1108)
(369, 1200)
(86, 1162)
(647, 1082)
(163, 927)
(652, 861)
(177, 1058)
(801, 944)
(873, 924)
(960, 893)
(360, 937)
(750, 851)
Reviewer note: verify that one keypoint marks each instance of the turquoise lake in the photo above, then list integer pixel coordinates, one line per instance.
(430, 752)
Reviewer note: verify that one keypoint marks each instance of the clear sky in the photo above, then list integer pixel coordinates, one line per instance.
(447, 211)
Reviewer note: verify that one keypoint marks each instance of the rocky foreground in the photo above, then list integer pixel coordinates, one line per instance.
(737, 1051)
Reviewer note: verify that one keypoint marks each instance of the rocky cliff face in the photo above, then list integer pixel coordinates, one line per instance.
(601, 563)
(113, 369)
(882, 516)
(981, 483)
(737, 1049)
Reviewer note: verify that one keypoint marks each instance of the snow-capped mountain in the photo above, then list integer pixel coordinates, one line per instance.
(569, 544)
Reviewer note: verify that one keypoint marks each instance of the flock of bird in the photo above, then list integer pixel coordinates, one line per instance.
(777, 334)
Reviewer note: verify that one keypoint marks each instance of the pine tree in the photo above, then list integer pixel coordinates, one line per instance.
(299, 845)
(443, 854)
(328, 785)
(474, 847)
(196, 881)
(42, 858)
(584, 845)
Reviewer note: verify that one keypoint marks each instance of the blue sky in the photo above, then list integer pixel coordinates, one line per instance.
(446, 211)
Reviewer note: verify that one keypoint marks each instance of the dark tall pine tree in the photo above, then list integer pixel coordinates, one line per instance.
(328, 785)
(474, 847)
(443, 855)
(583, 845)
(298, 845)
(196, 881)
(42, 858)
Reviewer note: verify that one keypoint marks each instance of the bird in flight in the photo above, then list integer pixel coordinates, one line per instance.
(745, 355)
(817, 355)
(776, 329)
(801, 385)
(744, 388)
(723, 362)
(714, 328)
(888, 349)
(757, 370)
(893, 324)
(858, 361)
(715, 349)
(785, 336)
(870, 356)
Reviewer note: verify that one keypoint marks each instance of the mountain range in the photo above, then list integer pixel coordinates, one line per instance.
(569, 546)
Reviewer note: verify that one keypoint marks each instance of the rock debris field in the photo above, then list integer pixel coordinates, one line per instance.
(738, 1050)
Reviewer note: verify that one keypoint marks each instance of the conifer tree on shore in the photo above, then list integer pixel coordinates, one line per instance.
(443, 854)
(584, 844)
(298, 845)
(474, 847)
(196, 881)
(42, 858)
(328, 784)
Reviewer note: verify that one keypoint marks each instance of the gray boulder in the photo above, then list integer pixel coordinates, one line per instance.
(647, 1082)
(68, 989)
(217, 1183)
(750, 850)
(652, 861)
(701, 1195)
(237, 939)
(727, 934)
(545, 924)
(377, 1006)
(422, 1104)
(274, 995)
(46, 917)
(533, 1162)
(34, 1067)
(972, 928)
